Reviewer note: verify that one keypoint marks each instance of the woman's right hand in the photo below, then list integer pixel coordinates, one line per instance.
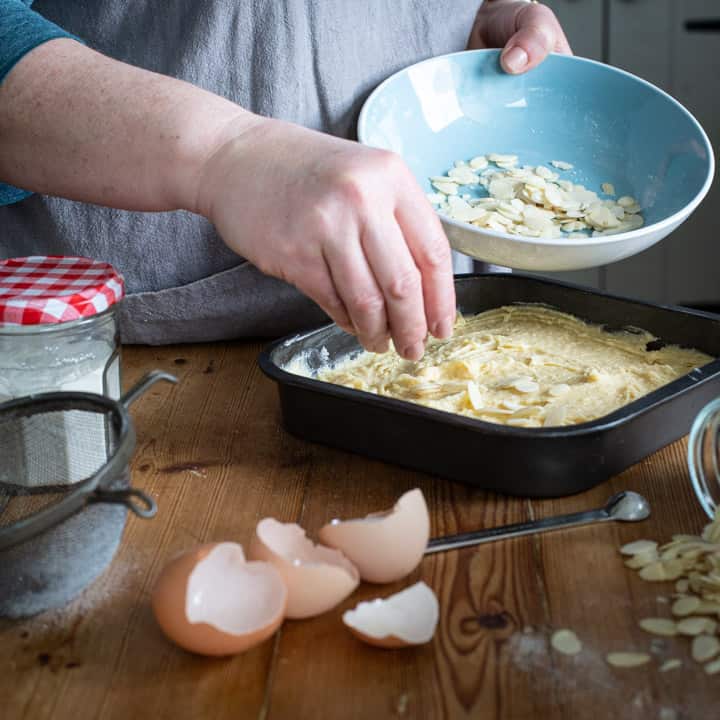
(346, 224)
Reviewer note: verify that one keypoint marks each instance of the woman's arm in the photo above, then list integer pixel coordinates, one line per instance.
(80, 125)
(346, 224)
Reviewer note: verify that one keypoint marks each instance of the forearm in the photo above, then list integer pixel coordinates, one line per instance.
(77, 124)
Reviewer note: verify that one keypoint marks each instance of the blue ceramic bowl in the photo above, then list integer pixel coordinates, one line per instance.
(612, 126)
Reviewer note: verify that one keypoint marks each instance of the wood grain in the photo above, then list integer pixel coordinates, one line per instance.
(213, 454)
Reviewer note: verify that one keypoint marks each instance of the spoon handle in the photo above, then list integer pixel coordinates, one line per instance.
(451, 542)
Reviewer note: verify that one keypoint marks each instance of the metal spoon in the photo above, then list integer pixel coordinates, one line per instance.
(625, 507)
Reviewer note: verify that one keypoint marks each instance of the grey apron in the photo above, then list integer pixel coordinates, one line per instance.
(312, 62)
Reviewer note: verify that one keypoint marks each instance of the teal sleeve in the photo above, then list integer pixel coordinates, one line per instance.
(21, 30)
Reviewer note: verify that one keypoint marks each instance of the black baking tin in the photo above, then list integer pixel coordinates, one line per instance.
(535, 462)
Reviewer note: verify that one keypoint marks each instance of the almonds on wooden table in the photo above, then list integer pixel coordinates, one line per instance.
(693, 562)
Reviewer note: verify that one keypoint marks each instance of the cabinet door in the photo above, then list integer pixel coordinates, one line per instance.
(693, 251)
(583, 23)
(676, 46)
(639, 33)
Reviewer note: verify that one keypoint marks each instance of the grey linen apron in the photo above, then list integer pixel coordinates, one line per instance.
(312, 62)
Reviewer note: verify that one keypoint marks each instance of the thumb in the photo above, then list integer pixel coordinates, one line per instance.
(538, 34)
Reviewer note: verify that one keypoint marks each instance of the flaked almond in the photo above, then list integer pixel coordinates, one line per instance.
(474, 395)
(659, 626)
(696, 626)
(654, 572)
(446, 188)
(708, 608)
(704, 648)
(639, 546)
(627, 659)
(642, 559)
(566, 642)
(479, 163)
(685, 605)
(561, 389)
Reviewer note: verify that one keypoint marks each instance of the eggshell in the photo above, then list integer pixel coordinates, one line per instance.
(406, 618)
(384, 546)
(211, 601)
(317, 577)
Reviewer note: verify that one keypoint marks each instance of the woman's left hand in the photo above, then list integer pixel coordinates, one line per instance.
(527, 32)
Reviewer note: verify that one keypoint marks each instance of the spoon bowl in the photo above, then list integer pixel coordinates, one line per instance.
(628, 506)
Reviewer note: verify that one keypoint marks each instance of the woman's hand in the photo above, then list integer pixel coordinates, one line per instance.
(346, 224)
(526, 31)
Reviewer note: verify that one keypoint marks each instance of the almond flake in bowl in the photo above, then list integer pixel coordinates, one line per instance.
(530, 201)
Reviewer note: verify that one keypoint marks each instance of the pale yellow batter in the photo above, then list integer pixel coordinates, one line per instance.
(523, 365)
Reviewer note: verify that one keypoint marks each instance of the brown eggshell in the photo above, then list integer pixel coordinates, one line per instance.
(317, 577)
(384, 546)
(409, 617)
(211, 601)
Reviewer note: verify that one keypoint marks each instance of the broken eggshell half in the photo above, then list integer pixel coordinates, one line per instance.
(384, 546)
(212, 601)
(406, 618)
(317, 577)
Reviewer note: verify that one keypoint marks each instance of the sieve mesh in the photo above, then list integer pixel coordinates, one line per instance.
(46, 452)
(64, 493)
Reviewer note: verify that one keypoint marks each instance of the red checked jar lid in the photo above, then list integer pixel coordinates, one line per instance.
(59, 328)
(52, 289)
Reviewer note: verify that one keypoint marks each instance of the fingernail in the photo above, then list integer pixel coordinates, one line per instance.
(443, 329)
(515, 59)
(414, 352)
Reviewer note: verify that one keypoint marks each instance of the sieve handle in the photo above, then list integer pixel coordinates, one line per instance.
(133, 499)
(144, 383)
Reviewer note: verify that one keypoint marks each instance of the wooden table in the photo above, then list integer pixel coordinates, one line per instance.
(213, 454)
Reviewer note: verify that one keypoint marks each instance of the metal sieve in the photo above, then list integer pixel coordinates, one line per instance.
(64, 493)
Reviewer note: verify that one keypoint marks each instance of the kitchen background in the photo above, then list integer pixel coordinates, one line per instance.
(674, 44)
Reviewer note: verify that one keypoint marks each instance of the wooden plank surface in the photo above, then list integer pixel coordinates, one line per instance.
(213, 454)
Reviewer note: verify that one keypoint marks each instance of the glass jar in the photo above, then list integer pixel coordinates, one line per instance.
(704, 457)
(82, 355)
(59, 332)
